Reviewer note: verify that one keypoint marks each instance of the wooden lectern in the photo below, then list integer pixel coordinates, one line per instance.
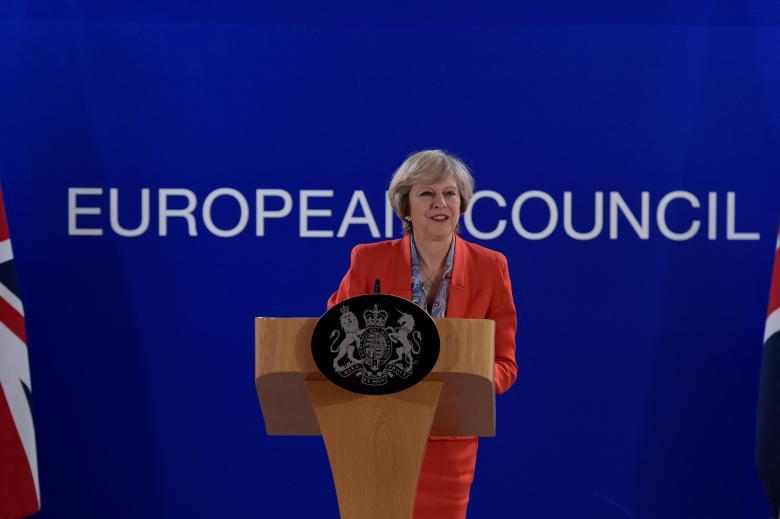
(376, 444)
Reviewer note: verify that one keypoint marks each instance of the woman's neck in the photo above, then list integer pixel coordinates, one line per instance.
(433, 252)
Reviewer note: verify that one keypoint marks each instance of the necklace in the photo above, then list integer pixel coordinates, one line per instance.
(428, 280)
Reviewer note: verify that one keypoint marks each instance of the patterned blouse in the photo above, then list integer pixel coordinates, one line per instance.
(419, 294)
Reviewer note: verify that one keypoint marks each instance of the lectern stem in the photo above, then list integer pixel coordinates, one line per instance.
(375, 445)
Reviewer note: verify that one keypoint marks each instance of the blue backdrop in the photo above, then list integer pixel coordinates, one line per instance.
(638, 350)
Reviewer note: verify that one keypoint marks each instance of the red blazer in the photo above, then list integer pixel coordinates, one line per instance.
(480, 289)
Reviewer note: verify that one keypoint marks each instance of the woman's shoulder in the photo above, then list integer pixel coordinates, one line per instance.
(379, 247)
(482, 253)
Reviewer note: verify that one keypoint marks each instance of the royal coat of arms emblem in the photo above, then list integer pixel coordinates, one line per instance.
(396, 345)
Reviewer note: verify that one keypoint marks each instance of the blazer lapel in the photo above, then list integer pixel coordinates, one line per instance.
(400, 283)
(459, 292)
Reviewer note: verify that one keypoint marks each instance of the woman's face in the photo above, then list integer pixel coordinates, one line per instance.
(435, 209)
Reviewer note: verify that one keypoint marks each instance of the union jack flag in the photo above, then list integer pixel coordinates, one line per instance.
(768, 445)
(19, 490)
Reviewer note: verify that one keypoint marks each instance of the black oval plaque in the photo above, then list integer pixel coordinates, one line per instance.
(375, 344)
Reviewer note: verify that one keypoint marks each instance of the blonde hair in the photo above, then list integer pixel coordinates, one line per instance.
(428, 166)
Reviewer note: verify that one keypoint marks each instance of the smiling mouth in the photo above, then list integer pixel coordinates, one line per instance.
(440, 218)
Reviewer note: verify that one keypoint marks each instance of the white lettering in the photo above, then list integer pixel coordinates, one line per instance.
(260, 211)
(85, 218)
(598, 218)
(74, 210)
(306, 213)
(731, 221)
(186, 212)
(469, 222)
(389, 213)
(358, 198)
(712, 216)
(551, 223)
(661, 216)
(616, 202)
(113, 194)
(242, 205)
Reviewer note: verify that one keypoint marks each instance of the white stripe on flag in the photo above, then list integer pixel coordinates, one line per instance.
(15, 369)
(6, 254)
(772, 324)
(11, 299)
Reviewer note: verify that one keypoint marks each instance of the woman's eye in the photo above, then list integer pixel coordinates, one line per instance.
(426, 193)
(451, 193)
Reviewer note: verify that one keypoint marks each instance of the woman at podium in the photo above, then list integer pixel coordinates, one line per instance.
(448, 277)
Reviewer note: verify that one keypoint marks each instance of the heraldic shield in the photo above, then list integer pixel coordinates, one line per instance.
(375, 344)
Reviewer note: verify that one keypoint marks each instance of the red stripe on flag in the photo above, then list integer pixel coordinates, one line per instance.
(3, 222)
(17, 488)
(774, 292)
(12, 319)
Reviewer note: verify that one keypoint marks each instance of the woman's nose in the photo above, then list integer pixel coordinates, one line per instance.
(439, 201)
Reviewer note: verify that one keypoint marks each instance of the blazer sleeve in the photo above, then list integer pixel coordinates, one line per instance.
(353, 283)
(502, 311)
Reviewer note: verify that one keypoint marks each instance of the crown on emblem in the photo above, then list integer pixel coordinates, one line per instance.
(375, 317)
